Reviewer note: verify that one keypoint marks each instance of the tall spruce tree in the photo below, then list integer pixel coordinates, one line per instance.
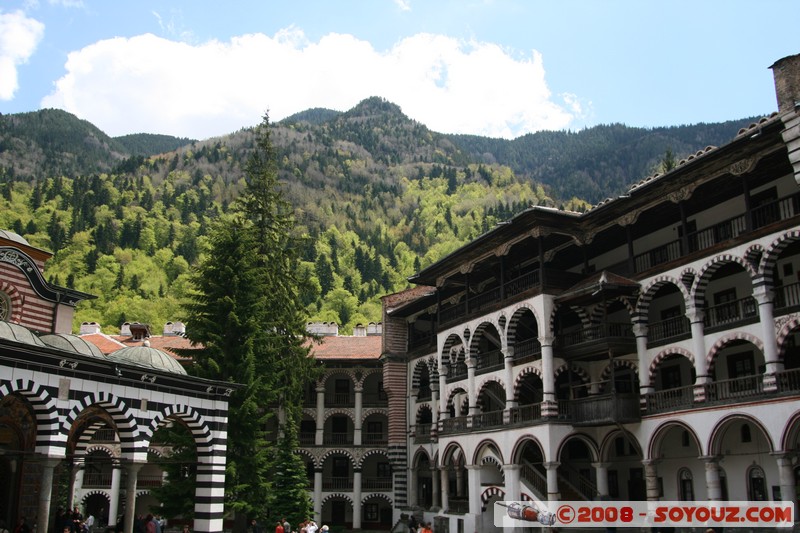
(247, 316)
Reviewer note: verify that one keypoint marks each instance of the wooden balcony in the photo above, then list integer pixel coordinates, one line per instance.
(526, 415)
(731, 314)
(491, 419)
(376, 484)
(337, 439)
(337, 483)
(596, 340)
(526, 351)
(601, 409)
(422, 433)
(667, 331)
(489, 362)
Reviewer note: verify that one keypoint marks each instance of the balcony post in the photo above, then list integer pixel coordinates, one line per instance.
(434, 409)
(46, 492)
(130, 495)
(696, 317)
(358, 411)
(357, 498)
(320, 414)
(472, 394)
(318, 494)
(549, 404)
(601, 472)
(713, 484)
(651, 479)
(113, 504)
(765, 297)
(512, 472)
(552, 480)
(786, 478)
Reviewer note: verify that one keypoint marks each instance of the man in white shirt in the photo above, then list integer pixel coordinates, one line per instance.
(311, 527)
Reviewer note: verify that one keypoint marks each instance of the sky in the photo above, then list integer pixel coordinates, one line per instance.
(498, 68)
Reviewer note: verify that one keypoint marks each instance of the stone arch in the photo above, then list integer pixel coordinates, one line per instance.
(521, 376)
(711, 357)
(663, 429)
(16, 300)
(753, 255)
(99, 448)
(420, 408)
(581, 372)
(516, 313)
(646, 298)
(580, 311)
(127, 426)
(520, 444)
(336, 451)
(489, 379)
(608, 442)
(663, 354)
(330, 497)
(453, 452)
(377, 496)
(490, 493)
(596, 315)
(583, 437)
(773, 252)
(186, 414)
(369, 453)
(49, 439)
(452, 340)
(421, 451)
(687, 277)
(701, 283)
(487, 446)
(419, 366)
(91, 493)
(784, 332)
(790, 431)
(618, 363)
(718, 430)
(338, 372)
(370, 412)
(342, 411)
(365, 374)
(305, 453)
(476, 336)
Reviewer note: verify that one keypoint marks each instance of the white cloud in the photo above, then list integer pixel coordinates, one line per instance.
(404, 5)
(150, 84)
(19, 37)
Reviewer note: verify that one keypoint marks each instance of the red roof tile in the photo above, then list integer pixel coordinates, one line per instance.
(348, 348)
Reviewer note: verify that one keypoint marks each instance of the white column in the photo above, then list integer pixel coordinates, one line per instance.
(601, 473)
(696, 318)
(474, 482)
(357, 499)
(358, 411)
(651, 479)
(320, 415)
(773, 364)
(640, 332)
(113, 504)
(413, 481)
(45, 493)
(412, 411)
(508, 360)
(552, 480)
(318, 495)
(445, 478)
(130, 495)
(512, 472)
(549, 403)
(786, 479)
(713, 484)
(434, 408)
(436, 495)
(472, 394)
(442, 394)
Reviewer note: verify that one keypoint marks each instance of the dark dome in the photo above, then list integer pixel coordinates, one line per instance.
(72, 343)
(17, 333)
(147, 357)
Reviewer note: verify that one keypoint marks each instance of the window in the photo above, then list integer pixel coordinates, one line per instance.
(342, 386)
(5, 307)
(384, 470)
(745, 431)
(756, 484)
(375, 428)
(685, 485)
(671, 377)
(724, 306)
(764, 206)
(371, 512)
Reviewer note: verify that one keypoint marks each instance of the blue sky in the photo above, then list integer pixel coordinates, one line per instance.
(501, 68)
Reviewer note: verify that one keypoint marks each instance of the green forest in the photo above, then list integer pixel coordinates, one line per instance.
(376, 197)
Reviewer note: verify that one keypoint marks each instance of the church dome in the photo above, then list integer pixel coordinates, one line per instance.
(17, 333)
(147, 357)
(72, 343)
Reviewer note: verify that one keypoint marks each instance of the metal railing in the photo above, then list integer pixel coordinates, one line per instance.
(735, 389)
(97, 479)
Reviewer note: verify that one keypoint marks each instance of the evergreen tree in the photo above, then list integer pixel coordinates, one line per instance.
(247, 315)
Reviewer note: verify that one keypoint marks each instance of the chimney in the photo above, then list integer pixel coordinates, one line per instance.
(125, 329)
(360, 330)
(90, 328)
(786, 73)
(173, 329)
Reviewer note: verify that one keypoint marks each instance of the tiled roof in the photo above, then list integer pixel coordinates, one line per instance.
(348, 348)
(105, 343)
(165, 343)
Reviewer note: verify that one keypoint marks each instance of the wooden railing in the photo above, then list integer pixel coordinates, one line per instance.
(454, 424)
(376, 437)
(379, 484)
(457, 372)
(534, 477)
(422, 433)
(491, 419)
(337, 483)
(601, 409)
(525, 414)
(787, 297)
(527, 350)
(333, 439)
(341, 399)
(307, 439)
(149, 480)
(737, 389)
(97, 479)
(671, 328)
(731, 312)
(458, 505)
(597, 332)
(667, 400)
(489, 361)
(522, 283)
(374, 399)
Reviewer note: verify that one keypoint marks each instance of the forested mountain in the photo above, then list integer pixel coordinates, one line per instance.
(377, 196)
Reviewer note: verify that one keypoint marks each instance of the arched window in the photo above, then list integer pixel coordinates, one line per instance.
(685, 485)
(756, 484)
(5, 307)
